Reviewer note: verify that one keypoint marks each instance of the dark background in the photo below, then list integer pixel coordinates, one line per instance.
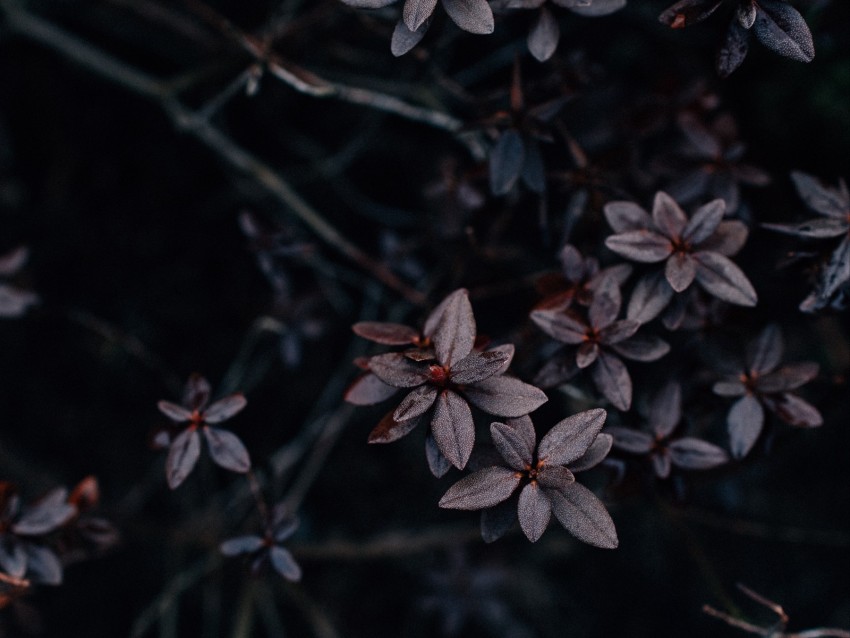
(145, 277)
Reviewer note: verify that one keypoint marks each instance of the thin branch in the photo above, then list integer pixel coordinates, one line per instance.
(735, 622)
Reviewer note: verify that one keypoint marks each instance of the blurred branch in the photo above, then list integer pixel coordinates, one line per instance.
(27, 24)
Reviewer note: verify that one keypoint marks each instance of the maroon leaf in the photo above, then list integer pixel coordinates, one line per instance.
(478, 366)
(482, 489)
(544, 35)
(506, 159)
(643, 246)
(389, 334)
(534, 511)
(505, 396)
(368, 389)
(694, 454)
(570, 438)
(595, 454)
(453, 428)
(182, 456)
(174, 412)
(241, 545)
(515, 441)
(227, 450)
(744, 422)
(454, 334)
(612, 380)
(284, 564)
(398, 371)
(723, 279)
(665, 411)
(389, 430)
(225, 408)
(584, 516)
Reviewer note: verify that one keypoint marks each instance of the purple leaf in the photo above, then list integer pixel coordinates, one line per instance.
(175, 412)
(661, 464)
(453, 428)
(814, 228)
(241, 545)
(416, 12)
(284, 564)
(665, 411)
(497, 520)
(227, 450)
(587, 354)
(368, 389)
(734, 49)
(13, 559)
(593, 8)
(197, 392)
(554, 477)
(454, 335)
(624, 217)
(618, 331)
(780, 27)
(544, 35)
(694, 454)
(631, 441)
(556, 371)
(225, 408)
(506, 160)
(795, 411)
(642, 348)
(822, 200)
(182, 456)
(570, 438)
(787, 377)
(515, 441)
(398, 371)
(505, 396)
(729, 388)
(43, 565)
(45, 516)
(651, 295)
(605, 305)
(13, 261)
(680, 271)
(388, 334)
(764, 353)
(612, 380)
(667, 216)
(723, 279)
(584, 516)
(560, 325)
(595, 454)
(482, 489)
(389, 430)
(403, 39)
(744, 422)
(728, 239)
(643, 246)
(473, 16)
(416, 403)
(437, 463)
(534, 511)
(478, 366)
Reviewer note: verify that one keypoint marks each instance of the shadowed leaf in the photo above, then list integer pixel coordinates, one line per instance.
(570, 438)
(694, 454)
(515, 441)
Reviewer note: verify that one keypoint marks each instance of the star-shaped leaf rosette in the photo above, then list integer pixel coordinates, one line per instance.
(184, 449)
(443, 374)
(693, 249)
(663, 448)
(762, 383)
(543, 477)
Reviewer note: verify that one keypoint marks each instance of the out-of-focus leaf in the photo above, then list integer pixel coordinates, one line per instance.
(173, 411)
(624, 217)
(182, 456)
(389, 334)
(724, 280)
(728, 239)
(544, 35)
(225, 408)
(497, 520)
(644, 246)
(744, 422)
(667, 216)
(284, 564)
(787, 377)
(368, 389)
(796, 411)
(680, 271)
(227, 450)
(506, 161)
(612, 380)
(629, 440)
(642, 348)
(822, 200)
(43, 565)
(764, 352)
(560, 325)
(196, 394)
(665, 411)
(704, 222)
(595, 454)
(247, 544)
(687, 12)
(651, 295)
(587, 354)
(695, 454)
